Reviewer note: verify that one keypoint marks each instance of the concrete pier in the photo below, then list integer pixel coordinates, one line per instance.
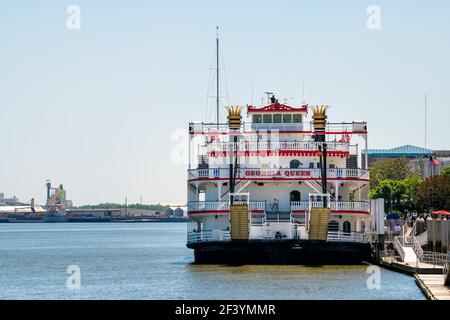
(433, 286)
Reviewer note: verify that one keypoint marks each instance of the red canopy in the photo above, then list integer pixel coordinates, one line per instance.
(445, 213)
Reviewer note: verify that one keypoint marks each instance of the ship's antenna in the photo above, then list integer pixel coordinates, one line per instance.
(303, 93)
(426, 120)
(217, 77)
(253, 85)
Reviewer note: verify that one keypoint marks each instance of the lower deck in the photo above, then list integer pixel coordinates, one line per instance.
(305, 252)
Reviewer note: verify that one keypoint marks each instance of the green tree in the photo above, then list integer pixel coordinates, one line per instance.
(392, 192)
(434, 194)
(445, 172)
(399, 195)
(389, 169)
(410, 185)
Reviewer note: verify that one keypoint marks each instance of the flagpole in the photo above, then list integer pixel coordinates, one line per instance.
(425, 121)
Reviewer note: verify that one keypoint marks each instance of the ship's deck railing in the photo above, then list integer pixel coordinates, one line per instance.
(251, 127)
(205, 206)
(223, 205)
(208, 235)
(261, 206)
(274, 146)
(334, 205)
(225, 235)
(348, 236)
(255, 173)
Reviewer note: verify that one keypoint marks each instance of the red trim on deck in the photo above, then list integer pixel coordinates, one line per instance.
(280, 131)
(210, 212)
(289, 153)
(262, 211)
(277, 108)
(277, 179)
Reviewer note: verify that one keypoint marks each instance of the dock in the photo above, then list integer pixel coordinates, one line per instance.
(430, 269)
(433, 286)
(412, 268)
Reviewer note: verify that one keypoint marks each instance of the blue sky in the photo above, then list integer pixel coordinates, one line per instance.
(95, 108)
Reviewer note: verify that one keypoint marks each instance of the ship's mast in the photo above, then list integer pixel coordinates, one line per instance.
(217, 77)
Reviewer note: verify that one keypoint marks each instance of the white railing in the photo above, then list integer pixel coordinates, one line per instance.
(398, 246)
(247, 127)
(422, 238)
(295, 206)
(222, 205)
(254, 205)
(299, 205)
(334, 205)
(225, 235)
(411, 241)
(208, 206)
(208, 235)
(274, 146)
(436, 259)
(255, 173)
(347, 236)
(350, 205)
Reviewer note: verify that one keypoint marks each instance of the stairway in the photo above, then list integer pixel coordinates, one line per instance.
(410, 255)
(239, 222)
(238, 188)
(318, 224)
(202, 162)
(352, 162)
(317, 187)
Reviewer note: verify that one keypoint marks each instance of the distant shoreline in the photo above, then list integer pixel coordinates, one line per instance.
(102, 220)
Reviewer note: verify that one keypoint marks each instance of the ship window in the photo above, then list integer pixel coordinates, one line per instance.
(287, 118)
(296, 118)
(346, 226)
(277, 118)
(257, 118)
(267, 118)
(294, 164)
(295, 196)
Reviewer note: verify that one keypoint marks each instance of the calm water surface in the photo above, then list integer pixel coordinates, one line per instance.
(151, 261)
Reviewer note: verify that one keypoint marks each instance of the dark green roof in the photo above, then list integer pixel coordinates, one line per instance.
(406, 151)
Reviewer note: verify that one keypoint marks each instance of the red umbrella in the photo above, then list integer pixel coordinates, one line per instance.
(445, 213)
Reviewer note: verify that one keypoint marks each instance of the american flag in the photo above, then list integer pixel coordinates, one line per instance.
(345, 138)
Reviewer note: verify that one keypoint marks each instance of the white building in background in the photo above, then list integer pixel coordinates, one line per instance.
(4, 200)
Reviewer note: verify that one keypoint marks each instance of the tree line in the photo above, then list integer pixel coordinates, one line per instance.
(405, 191)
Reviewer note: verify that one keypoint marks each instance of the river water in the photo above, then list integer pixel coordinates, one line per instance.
(151, 261)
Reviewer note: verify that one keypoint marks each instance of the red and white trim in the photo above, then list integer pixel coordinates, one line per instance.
(277, 108)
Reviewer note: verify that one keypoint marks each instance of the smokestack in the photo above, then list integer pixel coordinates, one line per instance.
(234, 117)
(319, 122)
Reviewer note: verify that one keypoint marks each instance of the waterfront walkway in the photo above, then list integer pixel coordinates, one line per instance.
(412, 267)
(429, 268)
(433, 286)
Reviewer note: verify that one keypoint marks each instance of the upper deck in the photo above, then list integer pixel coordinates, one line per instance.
(250, 128)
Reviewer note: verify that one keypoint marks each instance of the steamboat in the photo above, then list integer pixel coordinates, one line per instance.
(277, 188)
(284, 186)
